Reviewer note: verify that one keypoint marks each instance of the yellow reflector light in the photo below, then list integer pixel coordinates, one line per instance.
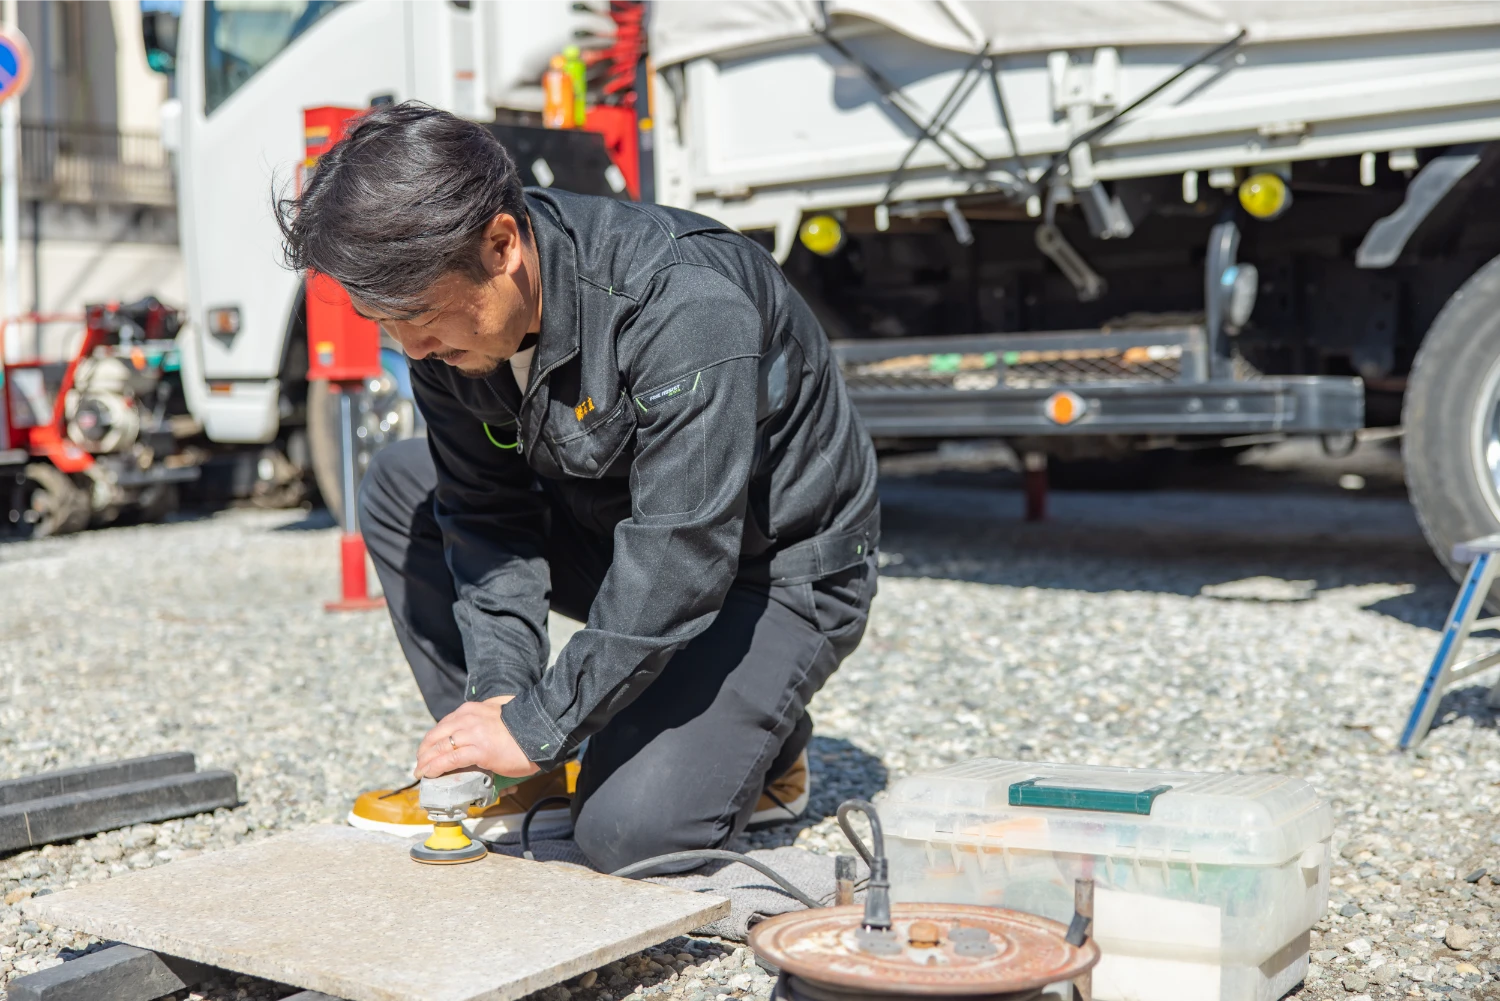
(1064, 407)
(822, 234)
(1265, 196)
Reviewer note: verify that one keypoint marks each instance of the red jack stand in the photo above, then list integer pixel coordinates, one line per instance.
(1034, 478)
(356, 588)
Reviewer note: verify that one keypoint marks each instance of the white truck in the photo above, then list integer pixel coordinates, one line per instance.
(1092, 229)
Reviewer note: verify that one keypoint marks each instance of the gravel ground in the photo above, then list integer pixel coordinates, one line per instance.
(1088, 638)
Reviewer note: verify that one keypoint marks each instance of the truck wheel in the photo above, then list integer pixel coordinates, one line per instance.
(50, 503)
(384, 412)
(1452, 421)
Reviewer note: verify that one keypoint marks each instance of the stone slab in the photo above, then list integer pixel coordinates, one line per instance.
(119, 973)
(110, 773)
(347, 913)
(77, 814)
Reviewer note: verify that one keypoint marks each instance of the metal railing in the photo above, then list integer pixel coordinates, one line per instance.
(88, 164)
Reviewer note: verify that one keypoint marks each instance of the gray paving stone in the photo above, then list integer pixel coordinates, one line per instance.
(76, 814)
(110, 773)
(347, 913)
(119, 973)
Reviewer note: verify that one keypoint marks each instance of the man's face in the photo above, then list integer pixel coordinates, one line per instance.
(475, 326)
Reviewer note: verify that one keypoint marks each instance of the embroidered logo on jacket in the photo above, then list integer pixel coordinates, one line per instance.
(586, 407)
(667, 393)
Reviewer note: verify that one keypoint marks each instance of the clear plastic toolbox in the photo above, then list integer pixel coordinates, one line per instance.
(1206, 885)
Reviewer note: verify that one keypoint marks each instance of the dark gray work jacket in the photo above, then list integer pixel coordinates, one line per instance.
(683, 401)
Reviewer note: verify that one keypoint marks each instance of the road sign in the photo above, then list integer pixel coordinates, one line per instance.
(15, 63)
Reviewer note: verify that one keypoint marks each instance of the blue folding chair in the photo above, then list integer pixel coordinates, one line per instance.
(1483, 558)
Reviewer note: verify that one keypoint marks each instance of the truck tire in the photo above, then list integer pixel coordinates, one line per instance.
(1451, 417)
(323, 445)
(374, 405)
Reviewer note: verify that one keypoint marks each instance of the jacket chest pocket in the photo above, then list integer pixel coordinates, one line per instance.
(588, 453)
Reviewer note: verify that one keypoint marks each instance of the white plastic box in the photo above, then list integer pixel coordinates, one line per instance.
(1206, 886)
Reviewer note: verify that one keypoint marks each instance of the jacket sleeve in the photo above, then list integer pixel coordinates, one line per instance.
(690, 359)
(492, 526)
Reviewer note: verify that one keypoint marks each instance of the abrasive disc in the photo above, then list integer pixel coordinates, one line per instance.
(431, 856)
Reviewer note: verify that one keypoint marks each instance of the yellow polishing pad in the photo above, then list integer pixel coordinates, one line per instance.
(448, 844)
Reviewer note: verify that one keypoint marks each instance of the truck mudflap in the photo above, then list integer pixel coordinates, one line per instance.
(1153, 381)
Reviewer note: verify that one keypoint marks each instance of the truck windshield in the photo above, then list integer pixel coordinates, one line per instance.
(242, 36)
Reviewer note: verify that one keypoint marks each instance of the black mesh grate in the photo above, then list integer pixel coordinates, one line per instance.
(1019, 369)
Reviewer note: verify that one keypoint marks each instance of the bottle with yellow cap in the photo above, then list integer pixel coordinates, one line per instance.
(578, 73)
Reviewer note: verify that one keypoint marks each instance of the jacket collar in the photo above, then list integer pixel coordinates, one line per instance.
(558, 256)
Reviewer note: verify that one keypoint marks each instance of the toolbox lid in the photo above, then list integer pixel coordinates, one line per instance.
(1158, 815)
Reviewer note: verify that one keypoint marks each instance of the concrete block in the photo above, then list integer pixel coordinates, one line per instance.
(110, 773)
(76, 814)
(309, 996)
(119, 973)
(347, 913)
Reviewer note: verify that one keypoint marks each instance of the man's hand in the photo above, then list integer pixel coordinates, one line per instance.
(473, 736)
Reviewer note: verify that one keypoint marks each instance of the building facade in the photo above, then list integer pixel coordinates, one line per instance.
(98, 200)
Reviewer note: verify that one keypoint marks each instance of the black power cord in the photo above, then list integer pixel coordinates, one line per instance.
(878, 893)
(878, 890)
(877, 833)
(634, 870)
(531, 813)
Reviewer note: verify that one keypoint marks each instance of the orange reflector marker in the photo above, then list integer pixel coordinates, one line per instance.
(1064, 407)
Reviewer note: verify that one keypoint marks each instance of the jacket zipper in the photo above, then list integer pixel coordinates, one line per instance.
(531, 385)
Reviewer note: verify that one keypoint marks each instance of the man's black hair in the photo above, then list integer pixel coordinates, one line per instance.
(402, 200)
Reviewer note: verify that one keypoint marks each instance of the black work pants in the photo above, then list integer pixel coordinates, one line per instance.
(682, 766)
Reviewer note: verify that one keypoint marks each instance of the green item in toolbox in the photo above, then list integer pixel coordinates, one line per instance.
(946, 363)
(1028, 793)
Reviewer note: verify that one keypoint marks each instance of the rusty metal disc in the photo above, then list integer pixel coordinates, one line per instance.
(823, 947)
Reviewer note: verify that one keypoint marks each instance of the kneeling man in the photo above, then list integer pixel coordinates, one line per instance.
(633, 420)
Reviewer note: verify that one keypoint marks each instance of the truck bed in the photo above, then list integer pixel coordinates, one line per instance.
(759, 117)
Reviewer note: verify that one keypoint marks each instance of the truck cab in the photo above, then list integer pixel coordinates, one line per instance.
(245, 71)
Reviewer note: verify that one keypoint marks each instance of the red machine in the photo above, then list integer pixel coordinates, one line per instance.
(617, 124)
(35, 415)
(341, 345)
(96, 436)
(344, 349)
